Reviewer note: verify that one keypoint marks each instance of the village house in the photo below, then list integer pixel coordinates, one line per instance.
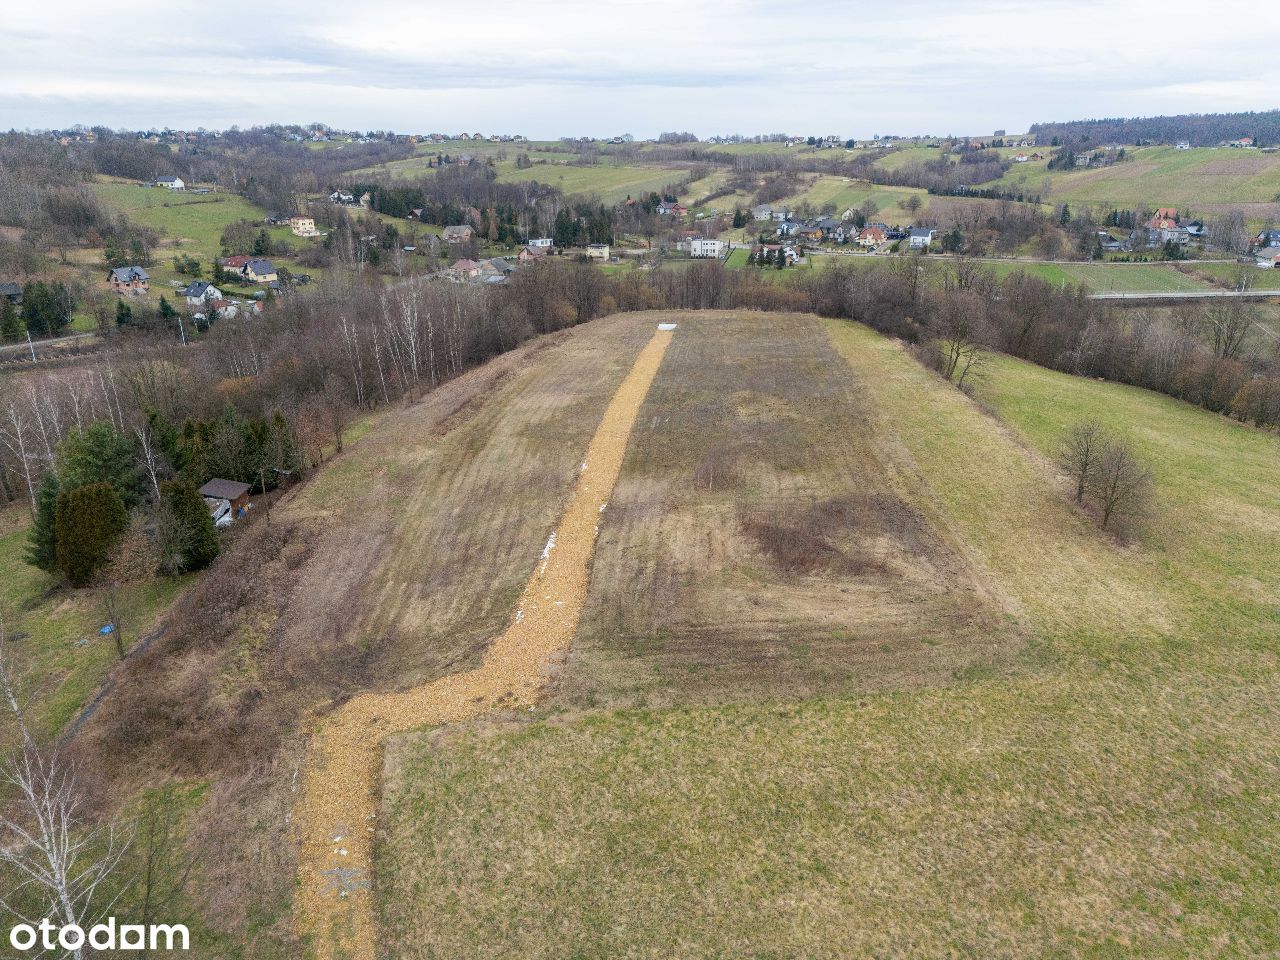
(303, 227)
(1268, 258)
(198, 292)
(171, 183)
(920, 239)
(531, 254)
(464, 269)
(702, 247)
(131, 280)
(1242, 144)
(598, 251)
(259, 271)
(766, 212)
(673, 209)
(234, 264)
(342, 198)
(871, 236)
(457, 234)
(1268, 238)
(541, 243)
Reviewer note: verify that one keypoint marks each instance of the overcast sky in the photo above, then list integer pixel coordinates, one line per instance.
(547, 68)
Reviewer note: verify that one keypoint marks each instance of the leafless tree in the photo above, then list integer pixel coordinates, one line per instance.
(1229, 324)
(1122, 486)
(1080, 453)
(59, 860)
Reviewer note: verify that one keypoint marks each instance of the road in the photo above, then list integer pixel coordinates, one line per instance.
(1187, 295)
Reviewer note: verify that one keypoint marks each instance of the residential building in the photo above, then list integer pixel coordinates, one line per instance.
(464, 269)
(541, 243)
(920, 239)
(531, 254)
(131, 280)
(702, 247)
(171, 183)
(598, 251)
(458, 234)
(259, 271)
(871, 236)
(303, 227)
(199, 292)
(342, 198)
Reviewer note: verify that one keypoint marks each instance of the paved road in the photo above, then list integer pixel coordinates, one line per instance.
(1186, 295)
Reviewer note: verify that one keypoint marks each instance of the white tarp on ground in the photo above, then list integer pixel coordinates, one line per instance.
(666, 326)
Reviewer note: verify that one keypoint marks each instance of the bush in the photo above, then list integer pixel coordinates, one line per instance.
(88, 523)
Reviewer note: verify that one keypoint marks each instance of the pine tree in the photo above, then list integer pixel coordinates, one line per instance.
(124, 314)
(188, 538)
(11, 326)
(42, 541)
(88, 523)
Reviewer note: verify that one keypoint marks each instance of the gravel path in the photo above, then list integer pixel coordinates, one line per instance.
(336, 810)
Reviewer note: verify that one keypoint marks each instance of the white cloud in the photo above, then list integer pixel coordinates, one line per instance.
(569, 66)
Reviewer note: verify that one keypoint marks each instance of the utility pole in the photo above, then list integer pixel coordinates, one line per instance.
(182, 333)
(31, 346)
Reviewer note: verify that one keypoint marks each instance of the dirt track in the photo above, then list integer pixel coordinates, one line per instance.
(336, 811)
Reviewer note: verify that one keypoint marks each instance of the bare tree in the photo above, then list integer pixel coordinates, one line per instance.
(59, 861)
(1080, 452)
(1122, 486)
(1229, 324)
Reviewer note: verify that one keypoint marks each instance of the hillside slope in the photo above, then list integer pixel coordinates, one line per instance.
(1108, 793)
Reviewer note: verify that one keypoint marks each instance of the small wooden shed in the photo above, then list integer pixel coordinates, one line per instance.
(230, 490)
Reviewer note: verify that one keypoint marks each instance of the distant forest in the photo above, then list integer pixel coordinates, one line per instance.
(1198, 129)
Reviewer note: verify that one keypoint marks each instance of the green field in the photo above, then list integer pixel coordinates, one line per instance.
(837, 194)
(55, 631)
(1104, 277)
(1199, 181)
(192, 224)
(1111, 795)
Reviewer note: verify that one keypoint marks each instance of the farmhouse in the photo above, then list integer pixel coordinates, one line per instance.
(457, 234)
(259, 271)
(598, 251)
(464, 269)
(541, 243)
(920, 239)
(342, 198)
(303, 227)
(666, 209)
(234, 264)
(1268, 258)
(131, 280)
(171, 183)
(701, 247)
(531, 254)
(1268, 238)
(199, 292)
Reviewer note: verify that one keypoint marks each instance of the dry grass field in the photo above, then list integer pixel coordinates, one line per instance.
(1107, 791)
(757, 544)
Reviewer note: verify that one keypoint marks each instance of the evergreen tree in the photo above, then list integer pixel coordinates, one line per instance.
(37, 308)
(261, 243)
(188, 538)
(1065, 217)
(166, 309)
(98, 454)
(124, 314)
(42, 538)
(88, 523)
(11, 326)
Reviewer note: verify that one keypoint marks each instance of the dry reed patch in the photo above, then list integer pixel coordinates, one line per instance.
(757, 546)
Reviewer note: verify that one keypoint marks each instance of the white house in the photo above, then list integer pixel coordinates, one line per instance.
(171, 183)
(598, 251)
(920, 239)
(541, 243)
(701, 247)
(303, 227)
(199, 292)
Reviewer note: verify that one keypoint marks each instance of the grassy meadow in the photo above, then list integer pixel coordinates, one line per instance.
(1107, 793)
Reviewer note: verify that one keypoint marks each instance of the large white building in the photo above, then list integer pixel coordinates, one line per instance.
(701, 247)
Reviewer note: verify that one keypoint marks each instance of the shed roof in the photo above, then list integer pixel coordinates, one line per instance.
(224, 489)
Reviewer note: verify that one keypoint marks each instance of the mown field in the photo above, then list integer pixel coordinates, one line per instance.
(1104, 277)
(1106, 792)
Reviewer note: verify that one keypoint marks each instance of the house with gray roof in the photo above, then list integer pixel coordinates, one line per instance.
(131, 280)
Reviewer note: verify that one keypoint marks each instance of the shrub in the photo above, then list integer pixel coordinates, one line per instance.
(88, 523)
(188, 538)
